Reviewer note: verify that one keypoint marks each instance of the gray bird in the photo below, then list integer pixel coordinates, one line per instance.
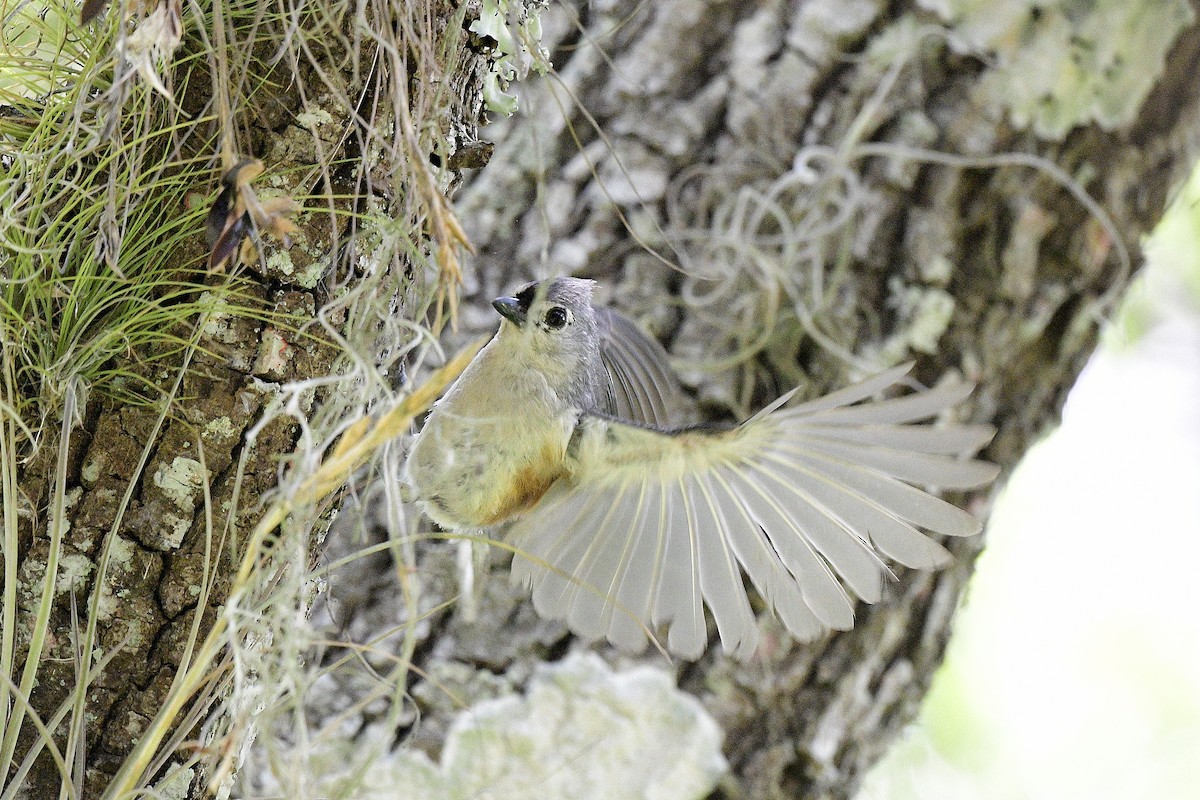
(624, 524)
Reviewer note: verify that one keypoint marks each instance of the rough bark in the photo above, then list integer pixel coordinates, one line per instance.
(206, 454)
(954, 133)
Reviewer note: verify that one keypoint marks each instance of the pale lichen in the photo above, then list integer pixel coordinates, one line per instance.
(181, 481)
(220, 428)
(89, 473)
(73, 573)
(516, 29)
(925, 313)
(175, 785)
(121, 559)
(274, 353)
(314, 118)
(1058, 65)
(281, 265)
(582, 731)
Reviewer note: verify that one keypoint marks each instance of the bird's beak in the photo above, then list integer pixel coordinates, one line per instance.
(510, 309)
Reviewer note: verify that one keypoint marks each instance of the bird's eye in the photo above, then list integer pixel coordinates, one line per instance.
(556, 317)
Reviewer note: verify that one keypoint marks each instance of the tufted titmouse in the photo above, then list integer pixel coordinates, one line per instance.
(623, 523)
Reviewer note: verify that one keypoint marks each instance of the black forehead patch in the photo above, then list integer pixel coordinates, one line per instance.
(526, 295)
(571, 292)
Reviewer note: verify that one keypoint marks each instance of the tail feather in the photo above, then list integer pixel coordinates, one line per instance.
(650, 527)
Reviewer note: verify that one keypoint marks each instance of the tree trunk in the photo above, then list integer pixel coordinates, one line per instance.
(801, 192)
(844, 185)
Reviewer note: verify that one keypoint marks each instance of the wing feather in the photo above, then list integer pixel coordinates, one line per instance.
(630, 396)
(862, 518)
(645, 388)
(899, 498)
(638, 376)
(824, 523)
(855, 393)
(649, 526)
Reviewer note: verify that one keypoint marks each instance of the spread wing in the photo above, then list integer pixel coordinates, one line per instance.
(805, 501)
(645, 388)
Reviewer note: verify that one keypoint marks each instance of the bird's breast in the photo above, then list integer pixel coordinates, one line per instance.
(475, 467)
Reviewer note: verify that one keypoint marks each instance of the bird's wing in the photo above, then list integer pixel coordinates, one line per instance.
(652, 526)
(645, 388)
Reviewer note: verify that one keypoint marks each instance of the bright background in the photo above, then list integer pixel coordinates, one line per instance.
(1074, 671)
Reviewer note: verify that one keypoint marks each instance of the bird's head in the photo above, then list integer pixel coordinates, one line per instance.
(554, 323)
